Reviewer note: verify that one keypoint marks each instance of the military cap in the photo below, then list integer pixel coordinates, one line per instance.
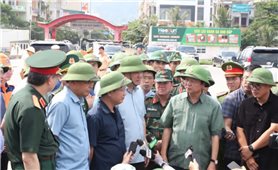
(232, 69)
(176, 56)
(80, 71)
(164, 76)
(197, 72)
(262, 76)
(144, 57)
(186, 62)
(78, 53)
(159, 56)
(70, 59)
(131, 64)
(150, 69)
(112, 81)
(46, 62)
(92, 58)
(31, 49)
(116, 59)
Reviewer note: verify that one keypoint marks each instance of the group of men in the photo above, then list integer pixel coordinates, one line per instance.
(69, 117)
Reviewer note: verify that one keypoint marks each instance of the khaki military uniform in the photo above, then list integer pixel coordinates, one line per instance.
(26, 129)
(221, 96)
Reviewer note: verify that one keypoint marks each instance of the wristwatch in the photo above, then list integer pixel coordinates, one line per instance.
(250, 147)
(214, 161)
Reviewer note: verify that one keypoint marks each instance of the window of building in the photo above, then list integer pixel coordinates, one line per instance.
(200, 14)
(210, 14)
(201, 49)
(200, 2)
(244, 20)
(236, 21)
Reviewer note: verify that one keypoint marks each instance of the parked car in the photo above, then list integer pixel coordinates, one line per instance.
(152, 48)
(111, 49)
(223, 57)
(265, 56)
(186, 51)
(65, 45)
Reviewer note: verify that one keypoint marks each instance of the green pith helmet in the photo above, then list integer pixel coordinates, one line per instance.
(185, 63)
(116, 59)
(210, 79)
(144, 57)
(112, 81)
(176, 56)
(164, 76)
(47, 59)
(70, 59)
(197, 72)
(78, 53)
(131, 64)
(159, 56)
(150, 69)
(262, 76)
(80, 72)
(92, 58)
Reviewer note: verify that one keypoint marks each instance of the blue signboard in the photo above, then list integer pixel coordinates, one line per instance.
(241, 8)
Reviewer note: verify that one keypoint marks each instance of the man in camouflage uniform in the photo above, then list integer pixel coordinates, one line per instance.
(155, 105)
(175, 60)
(158, 60)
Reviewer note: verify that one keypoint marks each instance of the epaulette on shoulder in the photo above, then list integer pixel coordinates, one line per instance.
(220, 94)
(36, 101)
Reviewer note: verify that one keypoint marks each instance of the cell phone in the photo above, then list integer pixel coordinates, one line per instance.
(233, 165)
(132, 147)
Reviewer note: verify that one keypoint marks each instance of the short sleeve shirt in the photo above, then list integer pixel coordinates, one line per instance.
(26, 128)
(192, 125)
(107, 137)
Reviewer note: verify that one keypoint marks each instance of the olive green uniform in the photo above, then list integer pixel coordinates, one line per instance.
(26, 129)
(154, 110)
(221, 97)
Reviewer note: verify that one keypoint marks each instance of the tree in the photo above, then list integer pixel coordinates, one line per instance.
(10, 19)
(222, 19)
(175, 14)
(263, 31)
(66, 33)
(138, 30)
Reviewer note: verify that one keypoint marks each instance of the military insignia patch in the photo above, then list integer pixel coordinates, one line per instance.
(36, 101)
(229, 67)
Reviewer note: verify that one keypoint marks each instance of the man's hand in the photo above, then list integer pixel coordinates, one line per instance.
(245, 153)
(230, 135)
(193, 165)
(127, 157)
(211, 166)
(252, 164)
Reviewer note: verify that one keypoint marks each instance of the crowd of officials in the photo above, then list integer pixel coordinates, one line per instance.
(82, 111)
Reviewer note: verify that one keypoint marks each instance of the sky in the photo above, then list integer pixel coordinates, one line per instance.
(117, 12)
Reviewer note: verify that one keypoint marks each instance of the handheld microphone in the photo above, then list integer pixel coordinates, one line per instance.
(147, 153)
(189, 153)
(132, 147)
(152, 141)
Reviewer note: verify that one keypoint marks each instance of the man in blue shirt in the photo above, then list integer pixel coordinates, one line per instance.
(132, 109)
(67, 120)
(105, 125)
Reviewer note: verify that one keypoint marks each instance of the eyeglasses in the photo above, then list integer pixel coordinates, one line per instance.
(255, 85)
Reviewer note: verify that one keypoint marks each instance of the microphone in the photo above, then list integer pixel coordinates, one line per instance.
(147, 153)
(132, 147)
(140, 142)
(152, 141)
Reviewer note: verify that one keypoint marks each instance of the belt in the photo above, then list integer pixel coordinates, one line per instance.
(45, 158)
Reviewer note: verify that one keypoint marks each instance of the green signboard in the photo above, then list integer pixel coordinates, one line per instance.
(197, 36)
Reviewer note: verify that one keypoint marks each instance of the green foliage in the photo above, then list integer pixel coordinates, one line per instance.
(65, 33)
(10, 19)
(222, 19)
(263, 31)
(175, 14)
(37, 33)
(138, 30)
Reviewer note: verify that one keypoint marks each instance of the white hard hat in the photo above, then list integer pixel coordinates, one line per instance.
(123, 167)
(31, 49)
(55, 47)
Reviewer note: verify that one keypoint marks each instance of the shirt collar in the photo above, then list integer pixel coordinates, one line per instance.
(73, 96)
(269, 100)
(201, 98)
(104, 107)
(134, 89)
